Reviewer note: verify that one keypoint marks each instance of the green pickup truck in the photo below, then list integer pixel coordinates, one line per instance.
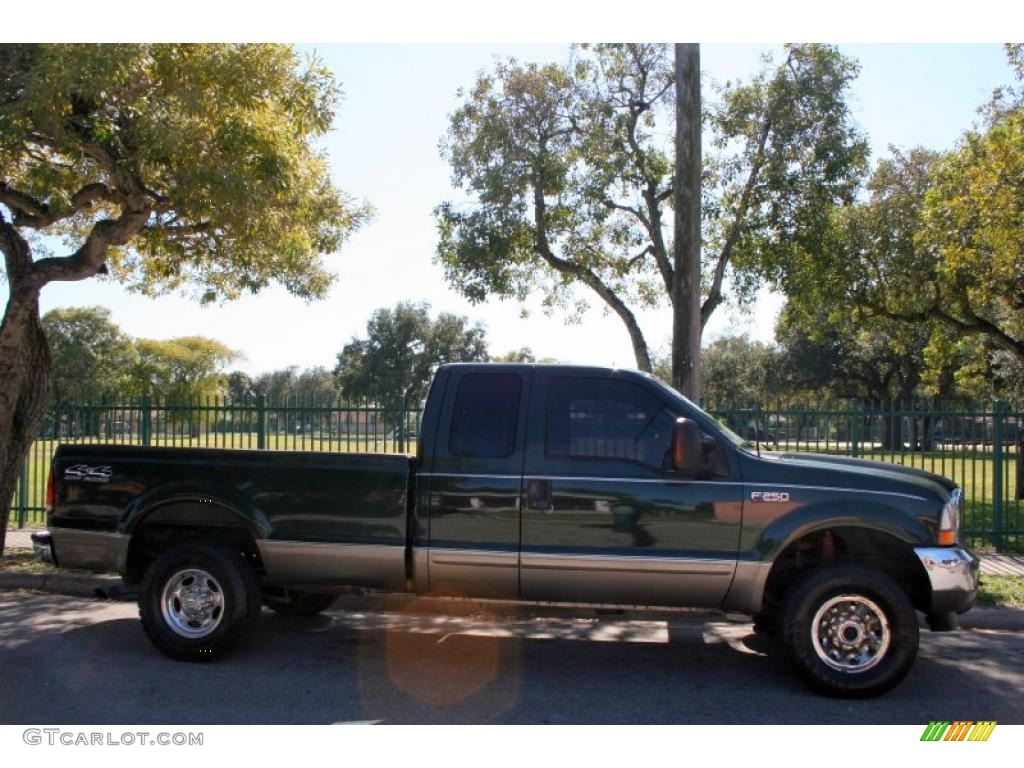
(532, 483)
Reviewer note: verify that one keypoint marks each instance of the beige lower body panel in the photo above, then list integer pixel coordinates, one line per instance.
(294, 563)
(90, 550)
(474, 573)
(625, 580)
(747, 590)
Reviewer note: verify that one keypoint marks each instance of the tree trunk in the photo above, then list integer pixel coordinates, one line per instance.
(686, 307)
(25, 378)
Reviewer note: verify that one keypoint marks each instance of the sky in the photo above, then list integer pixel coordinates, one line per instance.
(384, 149)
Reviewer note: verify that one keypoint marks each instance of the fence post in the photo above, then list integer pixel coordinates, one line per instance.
(998, 418)
(261, 422)
(146, 426)
(23, 494)
(1020, 459)
(854, 428)
(401, 424)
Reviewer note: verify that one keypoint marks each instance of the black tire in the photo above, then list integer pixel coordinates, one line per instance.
(300, 603)
(211, 579)
(878, 620)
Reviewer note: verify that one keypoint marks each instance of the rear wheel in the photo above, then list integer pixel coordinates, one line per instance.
(293, 603)
(197, 599)
(850, 631)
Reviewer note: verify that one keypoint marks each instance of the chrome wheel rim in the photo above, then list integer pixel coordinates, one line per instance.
(193, 603)
(850, 633)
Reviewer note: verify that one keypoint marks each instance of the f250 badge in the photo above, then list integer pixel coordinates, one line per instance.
(85, 473)
(774, 497)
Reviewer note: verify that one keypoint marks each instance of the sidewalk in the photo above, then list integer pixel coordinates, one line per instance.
(19, 540)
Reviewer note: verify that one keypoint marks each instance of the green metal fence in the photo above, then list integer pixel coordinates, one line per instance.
(978, 447)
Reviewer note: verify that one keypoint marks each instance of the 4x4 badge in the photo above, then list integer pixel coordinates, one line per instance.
(89, 474)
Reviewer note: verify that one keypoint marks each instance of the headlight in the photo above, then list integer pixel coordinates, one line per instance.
(951, 519)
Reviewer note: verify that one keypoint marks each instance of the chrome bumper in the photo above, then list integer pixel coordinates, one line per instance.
(953, 573)
(42, 547)
(99, 551)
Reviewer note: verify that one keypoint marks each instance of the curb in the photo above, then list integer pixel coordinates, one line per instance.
(87, 585)
(72, 584)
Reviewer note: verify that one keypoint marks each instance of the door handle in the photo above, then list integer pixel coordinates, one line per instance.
(538, 496)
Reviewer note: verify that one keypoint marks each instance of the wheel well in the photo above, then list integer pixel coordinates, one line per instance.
(873, 549)
(173, 524)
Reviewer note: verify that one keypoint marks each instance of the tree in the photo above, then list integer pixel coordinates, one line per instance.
(316, 385)
(90, 353)
(277, 385)
(401, 349)
(521, 355)
(241, 387)
(936, 240)
(178, 371)
(739, 372)
(971, 242)
(570, 178)
(873, 359)
(165, 166)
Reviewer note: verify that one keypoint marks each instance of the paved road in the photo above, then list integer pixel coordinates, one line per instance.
(68, 660)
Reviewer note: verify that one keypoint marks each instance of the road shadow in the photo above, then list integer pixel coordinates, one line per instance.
(414, 666)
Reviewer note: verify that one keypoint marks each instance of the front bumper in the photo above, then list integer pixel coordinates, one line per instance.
(953, 573)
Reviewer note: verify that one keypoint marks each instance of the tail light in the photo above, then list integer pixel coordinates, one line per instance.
(51, 493)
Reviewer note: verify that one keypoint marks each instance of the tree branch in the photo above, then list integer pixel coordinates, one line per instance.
(589, 278)
(29, 212)
(715, 296)
(90, 258)
(16, 251)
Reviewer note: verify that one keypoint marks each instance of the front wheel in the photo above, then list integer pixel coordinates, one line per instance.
(196, 600)
(850, 631)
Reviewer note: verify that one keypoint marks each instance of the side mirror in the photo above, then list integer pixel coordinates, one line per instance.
(687, 451)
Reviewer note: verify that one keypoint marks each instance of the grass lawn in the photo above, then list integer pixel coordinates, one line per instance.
(1002, 590)
(20, 561)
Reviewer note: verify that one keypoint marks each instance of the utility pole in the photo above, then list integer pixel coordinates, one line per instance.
(686, 329)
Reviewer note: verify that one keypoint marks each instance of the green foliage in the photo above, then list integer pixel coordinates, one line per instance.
(181, 370)
(738, 372)
(240, 387)
(971, 236)
(180, 165)
(90, 354)
(935, 242)
(569, 172)
(402, 347)
(316, 385)
(851, 356)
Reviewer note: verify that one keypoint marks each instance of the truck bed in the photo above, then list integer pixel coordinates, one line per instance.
(301, 507)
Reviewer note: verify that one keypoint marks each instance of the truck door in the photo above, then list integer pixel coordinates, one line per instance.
(475, 483)
(605, 517)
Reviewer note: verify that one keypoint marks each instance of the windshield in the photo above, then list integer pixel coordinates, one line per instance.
(706, 419)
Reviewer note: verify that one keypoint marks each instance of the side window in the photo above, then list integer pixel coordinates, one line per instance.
(606, 419)
(486, 415)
